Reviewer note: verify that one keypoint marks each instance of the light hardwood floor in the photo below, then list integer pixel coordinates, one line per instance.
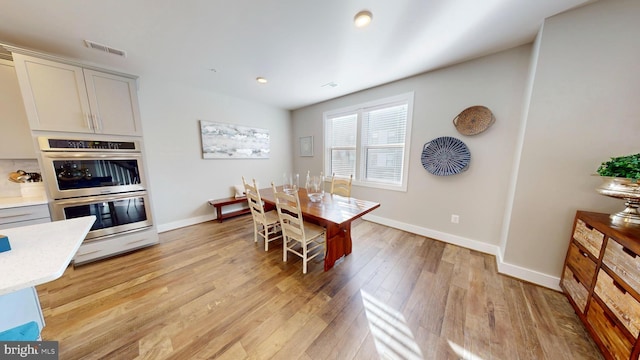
(209, 291)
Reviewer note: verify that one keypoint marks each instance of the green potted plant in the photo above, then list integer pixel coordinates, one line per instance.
(623, 167)
(621, 177)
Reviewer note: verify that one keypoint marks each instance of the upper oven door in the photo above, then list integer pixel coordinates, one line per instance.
(74, 174)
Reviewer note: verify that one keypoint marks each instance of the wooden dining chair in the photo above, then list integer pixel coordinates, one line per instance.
(265, 224)
(295, 231)
(341, 186)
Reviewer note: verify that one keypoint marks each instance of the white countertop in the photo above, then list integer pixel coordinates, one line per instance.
(40, 253)
(13, 202)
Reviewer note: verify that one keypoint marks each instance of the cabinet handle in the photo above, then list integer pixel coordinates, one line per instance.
(89, 125)
(136, 241)
(622, 290)
(629, 252)
(584, 254)
(96, 123)
(15, 215)
(88, 253)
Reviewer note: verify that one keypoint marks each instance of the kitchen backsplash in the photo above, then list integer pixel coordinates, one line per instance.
(8, 188)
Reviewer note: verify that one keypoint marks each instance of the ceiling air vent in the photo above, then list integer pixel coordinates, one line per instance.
(105, 48)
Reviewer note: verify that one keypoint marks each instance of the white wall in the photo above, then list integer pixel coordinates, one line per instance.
(478, 195)
(181, 180)
(584, 109)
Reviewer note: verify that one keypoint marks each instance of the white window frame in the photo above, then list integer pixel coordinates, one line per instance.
(358, 177)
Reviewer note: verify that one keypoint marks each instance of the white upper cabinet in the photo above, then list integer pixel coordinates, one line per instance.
(54, 95)
(15, 136)
(113, 101)
(64, 97)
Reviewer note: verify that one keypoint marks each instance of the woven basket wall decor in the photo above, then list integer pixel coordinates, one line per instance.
(474, 120)
(445, 156)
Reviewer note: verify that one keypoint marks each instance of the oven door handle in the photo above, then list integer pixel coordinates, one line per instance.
(100, 198)
(88, 155)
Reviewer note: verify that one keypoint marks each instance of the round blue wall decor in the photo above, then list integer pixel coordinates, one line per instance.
(445, 156)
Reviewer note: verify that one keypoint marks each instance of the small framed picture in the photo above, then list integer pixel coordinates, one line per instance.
(306, 146)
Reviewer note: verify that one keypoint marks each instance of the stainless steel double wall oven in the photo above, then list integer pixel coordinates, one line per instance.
(96, 177)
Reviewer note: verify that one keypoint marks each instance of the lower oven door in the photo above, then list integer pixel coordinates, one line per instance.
(114, 214)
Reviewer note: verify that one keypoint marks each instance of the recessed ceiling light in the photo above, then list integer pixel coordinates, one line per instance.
(261, 80)
(363, 18)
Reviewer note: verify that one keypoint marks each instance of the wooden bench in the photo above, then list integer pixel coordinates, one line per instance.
(220, 203)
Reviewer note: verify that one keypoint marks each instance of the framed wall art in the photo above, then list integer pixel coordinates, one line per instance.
(231, 141)
(306, 146)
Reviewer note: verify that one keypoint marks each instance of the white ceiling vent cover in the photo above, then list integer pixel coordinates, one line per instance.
(105, 48)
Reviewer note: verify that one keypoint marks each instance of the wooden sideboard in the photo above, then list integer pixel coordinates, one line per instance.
(601, 279)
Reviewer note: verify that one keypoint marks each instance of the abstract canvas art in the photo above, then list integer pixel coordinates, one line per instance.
(231, 141)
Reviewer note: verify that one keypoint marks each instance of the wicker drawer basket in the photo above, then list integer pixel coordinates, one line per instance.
(624, 262)
(577, 291)
(590, 238)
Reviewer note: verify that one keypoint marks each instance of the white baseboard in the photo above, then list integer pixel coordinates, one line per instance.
(529, 275)
(185, 222)
(515, 271)
(437, 235)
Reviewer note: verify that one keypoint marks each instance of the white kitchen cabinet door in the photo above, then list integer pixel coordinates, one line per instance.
(54, 94)
(114, 103)
(15, 137)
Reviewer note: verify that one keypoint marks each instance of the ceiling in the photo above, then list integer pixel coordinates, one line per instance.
(309, 51)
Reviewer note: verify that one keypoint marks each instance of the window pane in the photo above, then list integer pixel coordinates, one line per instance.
(384, 165)
(385, 126)
(343, 162)
(343, 130)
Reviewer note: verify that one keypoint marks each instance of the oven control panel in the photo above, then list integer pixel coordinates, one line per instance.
(52, 144)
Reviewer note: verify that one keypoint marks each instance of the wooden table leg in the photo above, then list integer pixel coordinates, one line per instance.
(338, 244)
(219, 213)
(347, 238)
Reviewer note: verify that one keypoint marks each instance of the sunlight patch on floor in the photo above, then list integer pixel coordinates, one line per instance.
(393, 338)
(464, 354)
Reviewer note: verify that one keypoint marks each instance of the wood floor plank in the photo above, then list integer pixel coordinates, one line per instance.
(455, 315)
(502, 340)
(208, 291)
(426, 307)
(477, 318)
(349, 343)
(367, 349)
(529, 346)
(235, 352)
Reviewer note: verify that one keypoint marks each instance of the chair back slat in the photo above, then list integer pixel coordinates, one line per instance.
(254, 200)
(265, 224)
(288, 206)
(341, 186)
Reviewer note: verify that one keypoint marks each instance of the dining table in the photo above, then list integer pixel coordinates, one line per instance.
(334, 212)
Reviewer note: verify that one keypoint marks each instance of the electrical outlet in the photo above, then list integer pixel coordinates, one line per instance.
(455, 218)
